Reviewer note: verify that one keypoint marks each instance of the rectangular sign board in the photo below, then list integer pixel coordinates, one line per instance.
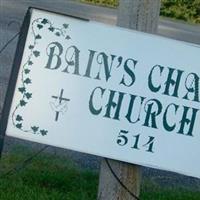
(106, 91)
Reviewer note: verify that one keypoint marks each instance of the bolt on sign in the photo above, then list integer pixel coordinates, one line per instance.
(106, 91)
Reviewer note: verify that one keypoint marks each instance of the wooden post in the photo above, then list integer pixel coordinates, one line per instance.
(142, 15)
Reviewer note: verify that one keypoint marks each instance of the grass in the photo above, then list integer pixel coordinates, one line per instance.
(185, 10)
(51, 177)
(153, 191)
(107, 3)
(48, 177)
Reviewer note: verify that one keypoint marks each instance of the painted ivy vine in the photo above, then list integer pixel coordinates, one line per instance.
(36, 26)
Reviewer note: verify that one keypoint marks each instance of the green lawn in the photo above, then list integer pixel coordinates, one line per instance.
(51, 177)
(48, 177)
(152, 191)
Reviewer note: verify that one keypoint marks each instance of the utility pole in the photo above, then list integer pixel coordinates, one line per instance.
(141, 15)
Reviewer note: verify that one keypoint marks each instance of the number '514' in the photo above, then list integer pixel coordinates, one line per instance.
(134, 141)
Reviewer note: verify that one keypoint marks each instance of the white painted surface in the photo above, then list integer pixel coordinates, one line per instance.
(79, 129)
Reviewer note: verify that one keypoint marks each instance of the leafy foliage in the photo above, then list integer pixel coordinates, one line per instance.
(39, 26)
(19, 118)
(35, 128)
(37, 37)
(68, 37)
(23, 103)
(36, 53)
(187, 10)
(28, 95)
(44, 21)
(24, 90)
(109, 3)
(27, 71)
(27, 81)
(65, 26)
(51, 29)
(57, 33)
(43, 132)
(31, 47)
(19, 125)
(30, 62)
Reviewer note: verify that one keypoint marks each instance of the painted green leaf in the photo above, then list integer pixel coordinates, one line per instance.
(44, 21)
(43, 132)
(68, 37)
(35, 128)
(22, 89)
(36, 53)
(28, 95)
(27, 81)
(19, 126)
(23, 103)
(19, 118)
(39, 26)
(51, 28)
(26, 71)
(57, 33)
(31, 47)
(38, 37)
(65, 25)
(30, 62)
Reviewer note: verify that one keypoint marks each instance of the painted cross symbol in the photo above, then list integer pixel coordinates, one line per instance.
(60, 107)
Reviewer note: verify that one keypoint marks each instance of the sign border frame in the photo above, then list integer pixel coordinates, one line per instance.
(16, 67)
(13, 76)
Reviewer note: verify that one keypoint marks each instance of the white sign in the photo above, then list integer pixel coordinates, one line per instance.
(108, 91)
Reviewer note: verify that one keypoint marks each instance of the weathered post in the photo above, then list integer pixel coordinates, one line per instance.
(142, 15)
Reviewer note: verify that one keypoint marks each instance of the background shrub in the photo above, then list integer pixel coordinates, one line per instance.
(187, 10)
